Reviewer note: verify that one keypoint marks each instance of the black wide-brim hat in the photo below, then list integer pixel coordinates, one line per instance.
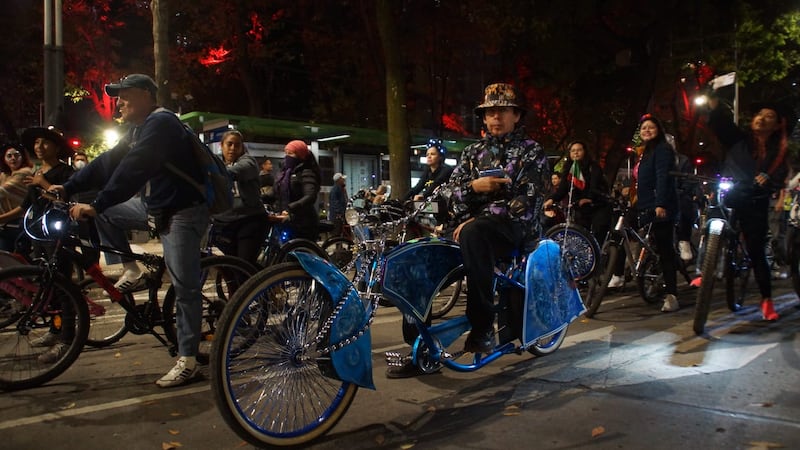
(52, 134)
(784, 110)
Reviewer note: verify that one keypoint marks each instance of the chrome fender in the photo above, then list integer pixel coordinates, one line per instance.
(352, 362)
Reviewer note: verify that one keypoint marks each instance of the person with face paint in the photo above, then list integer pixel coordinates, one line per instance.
(297, 188)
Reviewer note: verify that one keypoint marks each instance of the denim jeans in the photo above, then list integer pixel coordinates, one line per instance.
(181, 242)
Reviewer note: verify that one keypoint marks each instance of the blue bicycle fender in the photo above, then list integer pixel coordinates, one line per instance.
(353, 362)
(552, 300)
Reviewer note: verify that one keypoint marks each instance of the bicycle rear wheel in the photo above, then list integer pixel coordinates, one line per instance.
(709, 268)
(445, 299)
(339, 250)
(32, 304)
(579, 248)
(737, 276)
(221, 276)
(269, 330)
(107, 318)
(598, 284)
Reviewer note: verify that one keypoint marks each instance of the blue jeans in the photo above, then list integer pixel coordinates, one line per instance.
(181, 246)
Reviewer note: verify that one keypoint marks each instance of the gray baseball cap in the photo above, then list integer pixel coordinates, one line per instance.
(134, 80)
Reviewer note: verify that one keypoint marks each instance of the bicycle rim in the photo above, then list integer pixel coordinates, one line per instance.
(579, 248)
(598, 285)
(445, 299)
(62, 312)
(269, 384)
(107, 318)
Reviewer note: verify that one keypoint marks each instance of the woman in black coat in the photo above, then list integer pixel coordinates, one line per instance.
(756, 160)
(657, 200)
(297, 188)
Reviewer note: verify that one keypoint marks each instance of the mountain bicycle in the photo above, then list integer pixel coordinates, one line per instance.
(36, 300)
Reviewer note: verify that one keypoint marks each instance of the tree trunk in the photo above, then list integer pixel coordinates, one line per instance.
(160, 9)
(397, 122)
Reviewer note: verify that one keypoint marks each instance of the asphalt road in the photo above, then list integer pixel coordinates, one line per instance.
(631, 378)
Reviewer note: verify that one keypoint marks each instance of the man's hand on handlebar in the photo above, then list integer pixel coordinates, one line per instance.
(81, 211)
(57, 190)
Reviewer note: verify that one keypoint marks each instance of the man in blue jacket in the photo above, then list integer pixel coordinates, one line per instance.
(137, 165)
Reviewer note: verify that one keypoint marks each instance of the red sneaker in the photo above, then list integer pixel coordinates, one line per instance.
(768, 310)
(696, 282)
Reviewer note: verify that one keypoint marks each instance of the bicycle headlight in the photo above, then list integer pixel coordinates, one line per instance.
(351, 217)
(55, 222)
(725, 185)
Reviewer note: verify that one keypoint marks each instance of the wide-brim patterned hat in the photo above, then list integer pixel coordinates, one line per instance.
(30, 135)
(499, 95)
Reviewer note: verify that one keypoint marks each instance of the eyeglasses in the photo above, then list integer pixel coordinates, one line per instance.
(13, 155)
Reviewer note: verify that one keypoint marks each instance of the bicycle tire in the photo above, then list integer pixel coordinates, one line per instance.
(548, 344)
(581, 250)
(106, 328)
(709, 268)
(292, 401)
(221, 277)
(650, 280)
(445, 298)
(598, 285)
(21, 367)
(297, 245)
(339, 250)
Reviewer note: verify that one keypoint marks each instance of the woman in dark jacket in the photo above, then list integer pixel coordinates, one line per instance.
(657, 200)
(242, 228)
(589, 191)
(435, 174)
(297, 188)
(756, 160)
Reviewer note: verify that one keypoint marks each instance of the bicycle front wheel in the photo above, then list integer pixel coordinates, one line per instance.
(650, 279)
(339, 250)
(45, 324)
(221, 276)
(579, 248)
(269, 378)
(708, 270)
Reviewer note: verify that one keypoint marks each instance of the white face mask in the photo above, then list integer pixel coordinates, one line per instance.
(80, 164)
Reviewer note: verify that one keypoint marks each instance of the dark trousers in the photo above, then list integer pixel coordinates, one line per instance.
(483, 241)
(663, 239)
(754, 225)
(243, 238)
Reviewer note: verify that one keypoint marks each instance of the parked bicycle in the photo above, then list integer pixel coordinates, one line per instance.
(304, 328)
(36, 300)
(641, 261)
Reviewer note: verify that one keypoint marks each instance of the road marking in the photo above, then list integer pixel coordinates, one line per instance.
(101, 407)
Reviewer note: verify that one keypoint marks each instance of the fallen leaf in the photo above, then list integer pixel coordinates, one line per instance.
(118, 355)
(762, 445)
(431, 409)
(597, 431)
(71, 405)
(176, 414)
(510, 413)
(137, 363)
(174, 432)
(767, 404)
(406, 446)
(380, 439)
(512, 408)
(170, 445)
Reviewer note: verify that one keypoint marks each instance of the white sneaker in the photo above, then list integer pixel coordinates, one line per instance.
(616, 281)
(685, 249)
(48, 339)
(131, 281)
(53, 354)
(670, 304)
(183, 372)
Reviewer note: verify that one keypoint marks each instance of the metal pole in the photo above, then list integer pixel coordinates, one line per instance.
(53, 62)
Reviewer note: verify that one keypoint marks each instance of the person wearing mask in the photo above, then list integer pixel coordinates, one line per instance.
(80, 160)
(139, 164)
(497, 214)
(240, 231)
(584, 177)
(337, 203)
(657, 200)
(435, 174)
(296, 190)
(756, 160)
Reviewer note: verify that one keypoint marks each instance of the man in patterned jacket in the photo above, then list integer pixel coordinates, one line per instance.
(498, 191)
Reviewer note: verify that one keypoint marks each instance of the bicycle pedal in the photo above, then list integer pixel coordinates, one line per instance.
(395, 359)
